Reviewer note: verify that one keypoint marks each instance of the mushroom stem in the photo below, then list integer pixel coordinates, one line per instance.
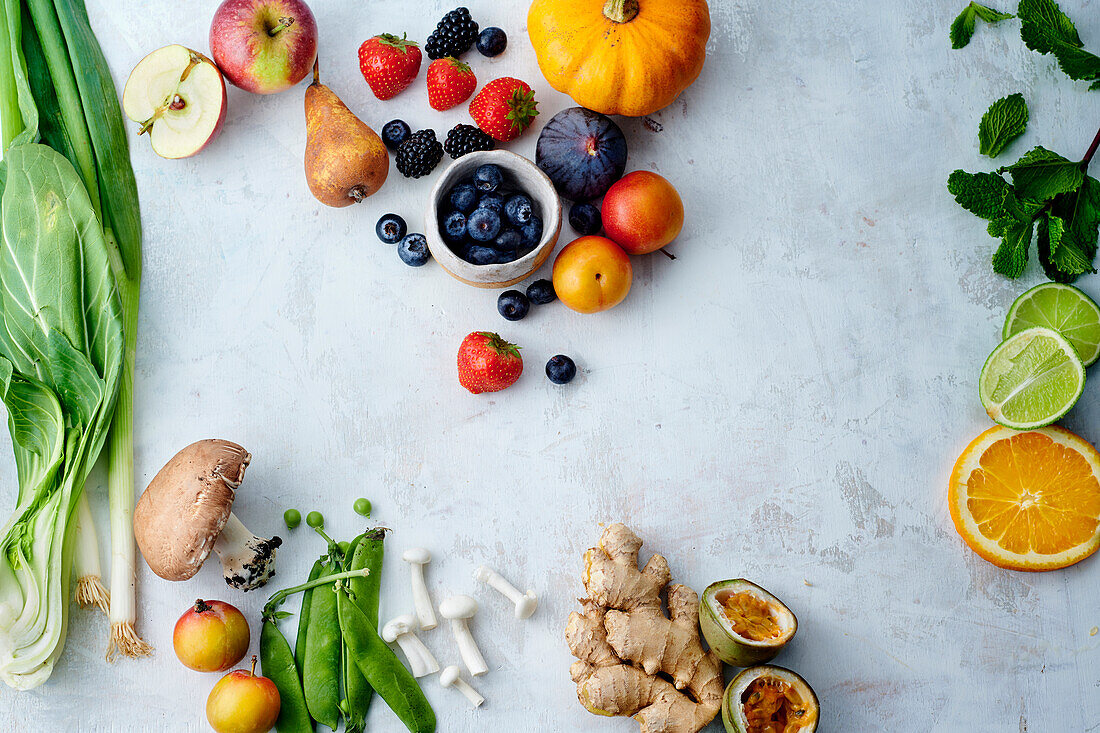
(418, 557)
(467, 647)
(248, 561)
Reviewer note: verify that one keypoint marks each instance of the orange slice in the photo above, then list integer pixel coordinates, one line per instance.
(1030, 500)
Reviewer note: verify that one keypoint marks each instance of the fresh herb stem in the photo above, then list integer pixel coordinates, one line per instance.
(1092, 150)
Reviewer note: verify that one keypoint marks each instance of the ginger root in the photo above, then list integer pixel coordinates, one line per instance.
(628, 650)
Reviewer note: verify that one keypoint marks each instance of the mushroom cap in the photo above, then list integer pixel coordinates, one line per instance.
(526, 605)
(417, 556)
(458, 607)
(186, 505)
(449, 675)
(397, 626)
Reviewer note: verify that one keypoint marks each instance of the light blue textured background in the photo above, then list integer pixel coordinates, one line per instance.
(783, 402)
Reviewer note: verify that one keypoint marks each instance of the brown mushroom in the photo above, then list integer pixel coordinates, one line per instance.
(184, 513)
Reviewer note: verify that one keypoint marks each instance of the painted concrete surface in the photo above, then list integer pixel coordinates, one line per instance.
(782, 402)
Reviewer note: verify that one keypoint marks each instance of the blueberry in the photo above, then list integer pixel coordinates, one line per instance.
(585, 219)
(518, 209)
(508, 241)
(479, 255)
(483, 225)
(454, 226)
(492, 200)
(464, 197)
(488, 177)
(390, 228)
(531, 232)
(541, 292)
(560, 369)
(394, 133)
(491, 42)
(513, 305)
(413, 250)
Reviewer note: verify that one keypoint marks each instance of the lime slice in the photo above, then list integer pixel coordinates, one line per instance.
(1063, 308)
(1031, 379)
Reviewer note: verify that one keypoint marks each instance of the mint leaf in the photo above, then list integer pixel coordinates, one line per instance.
(979, 193)
(989, 15)
(1080, 212)
(962, 28)
(1005, 121)
(1046, 29)
(1042, 174)
(1010, 259)
(1014, 228)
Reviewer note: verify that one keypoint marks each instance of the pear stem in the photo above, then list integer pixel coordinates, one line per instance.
(317, 71)
(284, 23)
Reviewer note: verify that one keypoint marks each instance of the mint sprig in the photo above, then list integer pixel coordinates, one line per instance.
(962, 29)
(1050, 199)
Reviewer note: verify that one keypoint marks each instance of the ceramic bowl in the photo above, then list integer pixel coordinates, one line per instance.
(519, 173)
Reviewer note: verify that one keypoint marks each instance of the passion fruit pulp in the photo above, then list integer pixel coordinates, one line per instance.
(769, 699)
(743, 623)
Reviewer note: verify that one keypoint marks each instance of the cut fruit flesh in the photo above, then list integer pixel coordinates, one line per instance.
(1028, 501)
(750, 616)
(769, 699)
(743, 623)
(1031, 379)
(1062, 308)
(178, 96)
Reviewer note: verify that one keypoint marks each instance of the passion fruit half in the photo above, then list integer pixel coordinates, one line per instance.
(769, 699)
(743, 623)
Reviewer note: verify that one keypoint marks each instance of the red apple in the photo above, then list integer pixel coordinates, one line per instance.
(642, 212)
(178, 96)
(211, 636)
(243, 702)
(264, 46)
(592, 274)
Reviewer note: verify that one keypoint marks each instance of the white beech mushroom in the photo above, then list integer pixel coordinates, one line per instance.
(184, 513)
(452, 677)
(418, 557)
(402, 629)
(459, 609)
(525, 603)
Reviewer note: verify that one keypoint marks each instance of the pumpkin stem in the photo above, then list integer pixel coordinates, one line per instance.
(620, 11)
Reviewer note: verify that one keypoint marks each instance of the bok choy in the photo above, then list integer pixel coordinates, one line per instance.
(70, 270)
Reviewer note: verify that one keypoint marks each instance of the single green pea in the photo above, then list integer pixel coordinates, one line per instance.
(292, 518)
(315, 519)
(343, 545)
(362, 507)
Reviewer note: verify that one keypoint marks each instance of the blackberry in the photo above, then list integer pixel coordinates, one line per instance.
(453, 36)
(464, 139)
(419, 154)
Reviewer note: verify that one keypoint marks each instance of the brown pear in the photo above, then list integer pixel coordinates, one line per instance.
(345, 159)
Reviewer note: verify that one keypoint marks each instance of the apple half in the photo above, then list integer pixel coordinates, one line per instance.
(177, 96)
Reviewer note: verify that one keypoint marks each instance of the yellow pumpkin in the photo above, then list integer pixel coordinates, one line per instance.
(625, 57)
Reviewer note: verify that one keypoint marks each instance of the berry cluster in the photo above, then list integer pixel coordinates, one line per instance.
(486, 223)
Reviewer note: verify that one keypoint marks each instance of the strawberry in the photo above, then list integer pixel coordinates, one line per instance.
(488, 363)
(389, 64)
(504, 108)
(450, 82)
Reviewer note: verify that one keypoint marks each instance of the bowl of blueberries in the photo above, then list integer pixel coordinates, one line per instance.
(493, 218)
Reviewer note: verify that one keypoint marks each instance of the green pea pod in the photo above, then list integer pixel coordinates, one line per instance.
(303, 623)
(383, 670)
(277, 664)
(321, 671)
(367, 553)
